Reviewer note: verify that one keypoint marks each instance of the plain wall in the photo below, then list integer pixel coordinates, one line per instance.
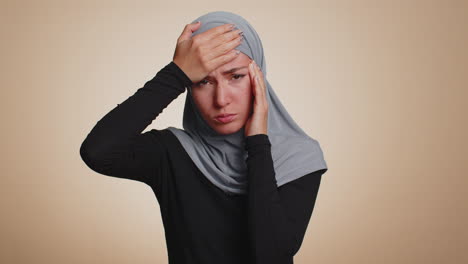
(382, 85)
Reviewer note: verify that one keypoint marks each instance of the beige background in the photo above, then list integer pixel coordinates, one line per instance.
(381, 85)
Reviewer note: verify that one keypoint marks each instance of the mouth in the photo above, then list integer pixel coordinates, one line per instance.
(225, 118)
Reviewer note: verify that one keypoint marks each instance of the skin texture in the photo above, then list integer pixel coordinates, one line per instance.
(231, 92)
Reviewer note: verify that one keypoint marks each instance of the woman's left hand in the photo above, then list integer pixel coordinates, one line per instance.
(258, 121)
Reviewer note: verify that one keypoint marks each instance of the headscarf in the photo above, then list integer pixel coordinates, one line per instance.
(222, 158)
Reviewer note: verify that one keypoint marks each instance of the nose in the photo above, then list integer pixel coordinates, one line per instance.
(222, 95)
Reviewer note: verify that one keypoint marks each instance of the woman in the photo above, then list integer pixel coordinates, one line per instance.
(237, 189)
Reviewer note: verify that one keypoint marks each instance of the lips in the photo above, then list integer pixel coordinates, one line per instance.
(225, 118)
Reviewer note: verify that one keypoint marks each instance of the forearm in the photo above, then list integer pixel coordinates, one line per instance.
(129, 118)
(268, 223)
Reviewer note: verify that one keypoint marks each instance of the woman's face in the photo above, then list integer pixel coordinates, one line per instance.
(226, 90)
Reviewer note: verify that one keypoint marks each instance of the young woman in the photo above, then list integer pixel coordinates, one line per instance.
(238, 184)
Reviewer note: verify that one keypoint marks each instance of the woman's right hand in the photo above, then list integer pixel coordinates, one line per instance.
(200, 55)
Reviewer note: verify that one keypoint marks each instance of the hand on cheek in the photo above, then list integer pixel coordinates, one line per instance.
(258, 121)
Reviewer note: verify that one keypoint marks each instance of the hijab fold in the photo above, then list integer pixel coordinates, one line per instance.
(222, 158)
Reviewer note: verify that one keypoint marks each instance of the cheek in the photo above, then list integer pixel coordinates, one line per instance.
(246, 96)
(201, 102)
(242, 91)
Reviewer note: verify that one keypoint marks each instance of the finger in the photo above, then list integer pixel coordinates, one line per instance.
(223, 59)
(256, 84)
(252, 73)
(224, 48)
(188, 30)
(260, 79)
(264, 89)
(214, 32)
(224, 38)
(261, 84)
(259, 90)
(255, 75)
(252, 77)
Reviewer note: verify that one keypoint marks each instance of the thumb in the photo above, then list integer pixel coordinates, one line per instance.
(188, 30)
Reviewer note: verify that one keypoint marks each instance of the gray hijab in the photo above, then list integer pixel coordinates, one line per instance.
(222, 158)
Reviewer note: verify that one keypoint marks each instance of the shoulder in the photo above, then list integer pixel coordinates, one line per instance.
(164, 137)
(310, 180)
(169, 143)
(160, 133)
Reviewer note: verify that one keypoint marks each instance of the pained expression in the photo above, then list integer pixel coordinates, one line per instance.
(225, 92)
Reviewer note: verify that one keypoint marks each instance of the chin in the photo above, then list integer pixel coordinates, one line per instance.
(228, 128)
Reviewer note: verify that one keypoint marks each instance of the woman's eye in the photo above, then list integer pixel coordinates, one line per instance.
(235, 76)
(239, 76)
(201, 83)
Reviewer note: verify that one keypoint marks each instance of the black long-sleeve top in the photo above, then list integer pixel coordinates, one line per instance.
(202, 223)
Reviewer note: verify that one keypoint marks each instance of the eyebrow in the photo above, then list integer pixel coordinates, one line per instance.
(231, 70)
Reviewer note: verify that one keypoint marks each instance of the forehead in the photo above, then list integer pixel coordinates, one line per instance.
(241, 60)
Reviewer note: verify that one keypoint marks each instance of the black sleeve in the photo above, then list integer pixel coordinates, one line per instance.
(116, 145)
(278, 217)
